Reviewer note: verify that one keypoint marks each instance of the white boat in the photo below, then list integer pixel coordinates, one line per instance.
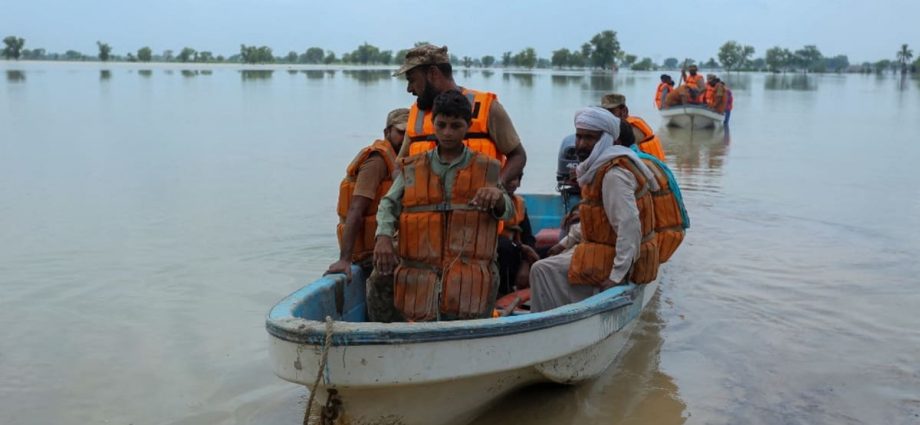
(692, 117)
(441, 373)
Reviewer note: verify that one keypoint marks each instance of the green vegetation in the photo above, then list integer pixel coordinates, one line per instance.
(13, 47)
(904, 56)
(104, 51)
(733, 55)
(602, 51)
(144, 54)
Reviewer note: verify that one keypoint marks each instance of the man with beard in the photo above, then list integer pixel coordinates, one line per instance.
(429, 73)
(617, 243)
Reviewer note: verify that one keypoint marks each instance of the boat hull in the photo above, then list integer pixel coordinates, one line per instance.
(451, 381)
(692, 117)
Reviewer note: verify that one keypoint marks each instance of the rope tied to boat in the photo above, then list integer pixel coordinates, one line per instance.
(319, 375)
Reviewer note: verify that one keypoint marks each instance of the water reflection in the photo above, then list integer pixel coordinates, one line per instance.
(105, 74)
(634, 390)
(206, 72)
(145, 73)
(600, 82)
(292, 71)
(525, 80)
(566, 80)
(313, 74)
(737, 81)
(798, 82)
(695, 149)
(189, 73)
(467, 73)
(368, 76)
(168, 71)
(488, 73)
(256, 74)
(15, 76)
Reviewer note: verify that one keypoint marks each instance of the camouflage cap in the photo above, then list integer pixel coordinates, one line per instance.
(612, 100)
(426, 54)
(398, 118)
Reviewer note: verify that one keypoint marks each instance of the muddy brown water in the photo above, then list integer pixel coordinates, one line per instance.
(150, 216)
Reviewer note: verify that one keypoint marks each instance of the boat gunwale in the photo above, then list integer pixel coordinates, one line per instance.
(280, 322)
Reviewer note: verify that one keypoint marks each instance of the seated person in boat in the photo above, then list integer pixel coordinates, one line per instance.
(646, 139)
(516, 245)
(677, 97)
(664, 87)
(616, 244)
(694, 83)
(367, 178)
(447, 204)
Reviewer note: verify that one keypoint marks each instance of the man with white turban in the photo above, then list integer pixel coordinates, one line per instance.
(597, 142)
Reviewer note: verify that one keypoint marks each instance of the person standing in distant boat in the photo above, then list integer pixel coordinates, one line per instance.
(367, 179)
(715, 97)
(429, 73)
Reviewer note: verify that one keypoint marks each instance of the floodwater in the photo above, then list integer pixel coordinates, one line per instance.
(150, 216)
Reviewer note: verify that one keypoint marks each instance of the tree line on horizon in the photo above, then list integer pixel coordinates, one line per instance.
(602, 51)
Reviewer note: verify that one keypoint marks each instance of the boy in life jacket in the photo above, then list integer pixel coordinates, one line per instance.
(367, 178)
(516, 245)
(446, 204)
(617, 243)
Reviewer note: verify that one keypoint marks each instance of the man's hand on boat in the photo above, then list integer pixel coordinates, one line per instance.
(607, 284)
(385, 259)
(341, 266)
(489, 198)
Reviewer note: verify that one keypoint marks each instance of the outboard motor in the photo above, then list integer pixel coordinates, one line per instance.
(565, 173)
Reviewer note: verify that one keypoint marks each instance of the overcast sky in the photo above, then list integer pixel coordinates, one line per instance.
(863, 30)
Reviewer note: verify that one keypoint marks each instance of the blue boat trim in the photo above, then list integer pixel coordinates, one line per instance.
(298, 318)
(313, 333)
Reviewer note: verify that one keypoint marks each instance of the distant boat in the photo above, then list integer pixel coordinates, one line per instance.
(442, 373)
(692, 117)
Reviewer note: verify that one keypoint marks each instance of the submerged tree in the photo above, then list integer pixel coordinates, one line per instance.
(606, 49)
(104, 51)
(187, 54)
(13, 47)
(904, 56)
(809, 58)
(733, 55)
(144, 54)
(313, 55)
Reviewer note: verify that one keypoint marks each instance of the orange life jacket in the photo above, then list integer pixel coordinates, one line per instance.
(650, 143)
(511, 227)
(446, 246)
(717, 103)
(592, 260)
(707, 95)
(420, 130)
(659, 94)
(696, 82)
(669, 222)
(364, 242)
